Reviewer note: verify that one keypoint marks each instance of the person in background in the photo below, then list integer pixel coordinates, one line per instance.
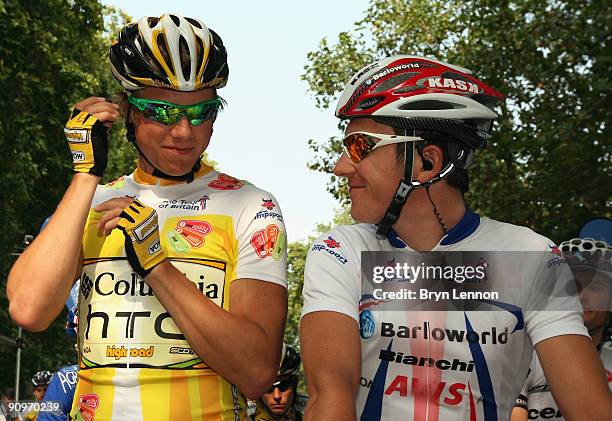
(40, 383)
(591, 263)
(63, 383)
(282, 402)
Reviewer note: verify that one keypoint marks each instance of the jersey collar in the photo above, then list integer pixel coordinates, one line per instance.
(141, 177)
(463, 229)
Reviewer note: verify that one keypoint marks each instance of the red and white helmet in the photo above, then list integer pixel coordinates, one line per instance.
(420, 93)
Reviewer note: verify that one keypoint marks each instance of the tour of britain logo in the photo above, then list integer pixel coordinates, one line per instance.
(226, 182)
(196, 205)
(187, 234)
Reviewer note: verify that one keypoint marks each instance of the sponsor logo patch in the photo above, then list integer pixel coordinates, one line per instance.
(556, 261)
(87, 406)
(493, 336)
(400, 358)
(146, 228)
(78, 156)
(122, 352)
(331, 243)
(268, 242)
(389, 70)
(77, 135)
(367, 325)
(181, 350)
(154, 248)
(545, 413)
(555, 250)
(457, 84)
(265, 213)
(193, 231)
(268, 204)
(443, 392)
(226, 182)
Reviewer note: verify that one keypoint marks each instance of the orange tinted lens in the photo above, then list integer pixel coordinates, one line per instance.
(358, 146)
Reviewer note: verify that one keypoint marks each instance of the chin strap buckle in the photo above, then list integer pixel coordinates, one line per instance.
(393, 212)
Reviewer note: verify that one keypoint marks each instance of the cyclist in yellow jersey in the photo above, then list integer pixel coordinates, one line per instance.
(176, 260)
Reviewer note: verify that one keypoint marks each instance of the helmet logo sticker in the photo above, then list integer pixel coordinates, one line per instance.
(440, 82)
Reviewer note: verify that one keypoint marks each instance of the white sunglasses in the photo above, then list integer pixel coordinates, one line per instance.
(358, 145)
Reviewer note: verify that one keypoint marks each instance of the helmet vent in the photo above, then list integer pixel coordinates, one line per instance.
(369, 102)
(176, 20)
(394, 81)
(152, 21)
(200, 53)
(161, 44)
(431, 105)
(194, 23)
(150, 58)
(185, 64)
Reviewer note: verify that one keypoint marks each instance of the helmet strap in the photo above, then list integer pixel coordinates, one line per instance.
(188, 177)
(406, 186)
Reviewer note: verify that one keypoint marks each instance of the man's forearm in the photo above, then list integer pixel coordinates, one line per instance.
(234, 346)
(331, 405)
(49, 264)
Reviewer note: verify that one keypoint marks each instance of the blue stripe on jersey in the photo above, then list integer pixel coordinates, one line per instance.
(484, 377)
(514, 310)
(464, 228)
(372, 410)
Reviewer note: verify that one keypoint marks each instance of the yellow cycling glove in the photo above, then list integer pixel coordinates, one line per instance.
(142, 244)
(88, 141)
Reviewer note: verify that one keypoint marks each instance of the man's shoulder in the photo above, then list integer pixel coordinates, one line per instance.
(116, 188)
(344, 243)
(227, 186)
(358, 237)
(504, 236)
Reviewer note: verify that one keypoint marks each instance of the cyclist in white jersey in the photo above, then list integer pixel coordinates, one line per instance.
(176, 260)
(591, 264)
(362, 362)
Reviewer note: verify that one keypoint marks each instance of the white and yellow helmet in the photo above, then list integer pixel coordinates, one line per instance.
(172, 52)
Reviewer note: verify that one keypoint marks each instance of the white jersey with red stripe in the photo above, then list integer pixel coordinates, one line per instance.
(440, 365)
(536, 396)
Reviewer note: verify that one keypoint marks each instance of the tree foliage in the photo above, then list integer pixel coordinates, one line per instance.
(53, 53)
(548, 165)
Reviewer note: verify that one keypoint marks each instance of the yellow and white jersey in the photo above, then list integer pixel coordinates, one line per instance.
(135, 364)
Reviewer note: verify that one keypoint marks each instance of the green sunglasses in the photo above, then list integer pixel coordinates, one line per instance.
(168, 113)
